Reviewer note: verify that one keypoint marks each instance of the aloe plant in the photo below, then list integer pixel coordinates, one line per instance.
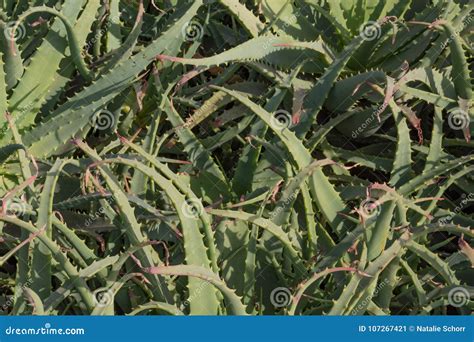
(236, 157)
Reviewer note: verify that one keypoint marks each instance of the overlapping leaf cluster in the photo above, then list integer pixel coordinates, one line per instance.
(226, 157)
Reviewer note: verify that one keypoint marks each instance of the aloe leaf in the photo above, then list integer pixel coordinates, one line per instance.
(160, 306)
(189, 194)
(71, 34)
(199, 156)
(55, 250)
(315, 98)
(250, 22)
(193, 244)
(75, 115)
(235, 305)
(32, 90)
(35, 301)
(328, 200)
(267, 225)
(435, 261)
(127, 215)
(41, 257)
(3, 88)
(12, 62)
